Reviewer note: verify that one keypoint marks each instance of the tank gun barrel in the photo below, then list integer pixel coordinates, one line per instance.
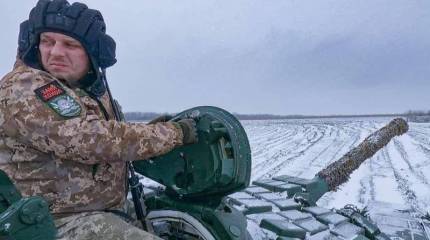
(338, 172)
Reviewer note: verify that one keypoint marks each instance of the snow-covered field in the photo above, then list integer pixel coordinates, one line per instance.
(398, 173)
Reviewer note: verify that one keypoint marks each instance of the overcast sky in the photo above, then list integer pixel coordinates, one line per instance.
(268, 56)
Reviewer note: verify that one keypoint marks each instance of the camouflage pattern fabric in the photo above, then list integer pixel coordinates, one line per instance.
(77, 163)
(98, 225)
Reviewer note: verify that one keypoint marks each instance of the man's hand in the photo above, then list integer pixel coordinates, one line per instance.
(189, 130)
(162, 118)
(187, 125)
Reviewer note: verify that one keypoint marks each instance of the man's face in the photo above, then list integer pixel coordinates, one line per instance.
(63, 57)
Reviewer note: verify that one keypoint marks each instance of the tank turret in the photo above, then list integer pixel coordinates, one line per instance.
(285, 207)
(194, 204)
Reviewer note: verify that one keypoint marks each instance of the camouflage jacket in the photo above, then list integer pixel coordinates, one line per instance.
(55, 142)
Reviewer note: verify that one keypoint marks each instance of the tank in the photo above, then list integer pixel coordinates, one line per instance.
(282, 207)
(205, 193)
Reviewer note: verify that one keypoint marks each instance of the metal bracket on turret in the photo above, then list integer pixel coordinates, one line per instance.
(23, 218)
(312, 190)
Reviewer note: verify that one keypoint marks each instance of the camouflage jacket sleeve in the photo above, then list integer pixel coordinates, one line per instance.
(85, 138)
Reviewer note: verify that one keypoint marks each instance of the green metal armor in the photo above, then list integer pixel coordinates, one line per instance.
(198, 176)
(23, 218)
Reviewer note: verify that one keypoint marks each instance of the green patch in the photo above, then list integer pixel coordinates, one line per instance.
(54, 95)
(65, 106)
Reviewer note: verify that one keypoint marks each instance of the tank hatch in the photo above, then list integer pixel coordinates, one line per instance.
(219, 164)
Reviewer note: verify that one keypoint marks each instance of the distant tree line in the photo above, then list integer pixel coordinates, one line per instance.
(265, 116)
(417, 113)
(411, 115)
(417, 116)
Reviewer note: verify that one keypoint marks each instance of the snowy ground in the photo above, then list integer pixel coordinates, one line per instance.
(398, 173)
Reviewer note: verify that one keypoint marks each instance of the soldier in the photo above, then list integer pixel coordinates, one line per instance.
(58, 135)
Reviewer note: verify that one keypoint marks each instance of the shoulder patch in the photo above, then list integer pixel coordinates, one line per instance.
(54, 95)
(49, 91)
